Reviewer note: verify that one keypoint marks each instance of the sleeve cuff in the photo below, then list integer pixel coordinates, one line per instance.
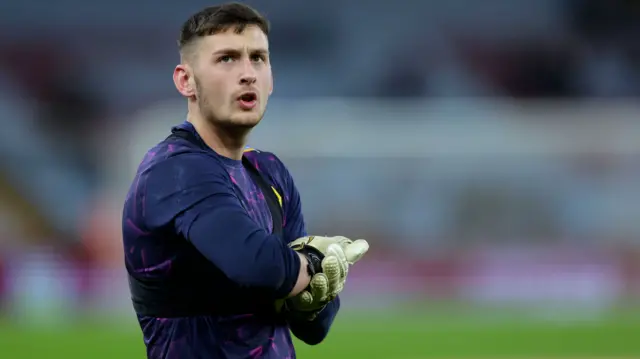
(292, 271)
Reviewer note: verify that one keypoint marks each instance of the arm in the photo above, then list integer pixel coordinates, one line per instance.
(195, 195)
(311, 332)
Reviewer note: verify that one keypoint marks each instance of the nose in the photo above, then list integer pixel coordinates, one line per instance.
(248, 76)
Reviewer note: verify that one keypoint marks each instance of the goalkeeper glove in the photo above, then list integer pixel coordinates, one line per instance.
(329, 259)
(310, 302)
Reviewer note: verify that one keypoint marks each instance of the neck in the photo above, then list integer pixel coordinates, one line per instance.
(227, 142)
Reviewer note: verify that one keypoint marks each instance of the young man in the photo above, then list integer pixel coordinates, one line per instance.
(219, 261)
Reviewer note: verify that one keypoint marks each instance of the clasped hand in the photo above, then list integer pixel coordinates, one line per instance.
(331, 258)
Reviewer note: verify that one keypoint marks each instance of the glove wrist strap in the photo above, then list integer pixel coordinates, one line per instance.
(314, 259)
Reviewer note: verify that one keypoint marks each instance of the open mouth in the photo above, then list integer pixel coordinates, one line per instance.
(248, 100)
(248, 97)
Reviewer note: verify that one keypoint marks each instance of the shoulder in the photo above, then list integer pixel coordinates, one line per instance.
(178, 162)
(266, 162)
(172, 179)
(167, 151)
(269, 165)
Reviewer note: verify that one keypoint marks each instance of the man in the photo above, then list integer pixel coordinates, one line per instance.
(219, 261)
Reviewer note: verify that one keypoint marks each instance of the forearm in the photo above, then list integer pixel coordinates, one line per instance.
(248, 255)
(315, 331)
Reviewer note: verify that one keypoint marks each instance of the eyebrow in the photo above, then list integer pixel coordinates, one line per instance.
(230, 50)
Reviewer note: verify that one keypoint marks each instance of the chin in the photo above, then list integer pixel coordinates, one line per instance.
(247, 120)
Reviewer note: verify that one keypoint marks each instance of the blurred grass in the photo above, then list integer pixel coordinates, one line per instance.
(401, 335)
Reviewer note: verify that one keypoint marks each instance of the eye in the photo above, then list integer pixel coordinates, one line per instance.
(258, 58)
(225, 58)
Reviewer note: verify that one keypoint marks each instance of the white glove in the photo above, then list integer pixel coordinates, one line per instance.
(330, 258)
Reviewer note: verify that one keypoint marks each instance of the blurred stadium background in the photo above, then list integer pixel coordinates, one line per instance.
(490, 151)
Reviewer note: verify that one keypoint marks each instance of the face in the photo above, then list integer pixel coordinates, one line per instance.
(228, 77)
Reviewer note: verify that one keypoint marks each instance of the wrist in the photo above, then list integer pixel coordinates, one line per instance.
(314, 259)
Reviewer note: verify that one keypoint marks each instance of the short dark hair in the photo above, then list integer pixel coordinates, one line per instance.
(214, 19)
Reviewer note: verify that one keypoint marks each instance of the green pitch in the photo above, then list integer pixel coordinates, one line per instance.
(447, 334)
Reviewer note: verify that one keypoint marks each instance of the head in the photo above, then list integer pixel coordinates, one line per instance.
(224, 70)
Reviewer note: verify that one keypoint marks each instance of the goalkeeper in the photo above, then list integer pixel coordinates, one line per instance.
(220, 263)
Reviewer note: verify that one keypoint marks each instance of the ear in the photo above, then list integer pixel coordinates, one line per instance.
(184, 80)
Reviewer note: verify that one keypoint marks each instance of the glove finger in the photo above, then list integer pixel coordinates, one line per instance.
(304, 299)
(342, 241)
(337, 251)
(356, 250)
(335, 292)
(331, 269)
(319, 287)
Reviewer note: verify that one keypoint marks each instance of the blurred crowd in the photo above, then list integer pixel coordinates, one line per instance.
(73, 76)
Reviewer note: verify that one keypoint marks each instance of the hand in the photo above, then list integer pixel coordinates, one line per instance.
(310, 302)
(353, 250)
(330, 258)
